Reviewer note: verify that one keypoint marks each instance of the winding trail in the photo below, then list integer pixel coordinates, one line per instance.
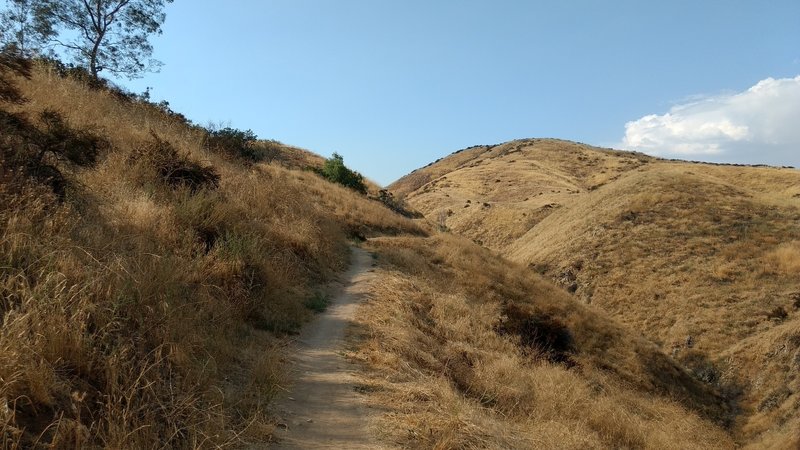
(322, 410)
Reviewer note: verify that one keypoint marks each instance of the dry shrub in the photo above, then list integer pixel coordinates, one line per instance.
(159, 159)
(87, 346)
(44, 150)
(725, 272)
(11, 64)
(785, 259)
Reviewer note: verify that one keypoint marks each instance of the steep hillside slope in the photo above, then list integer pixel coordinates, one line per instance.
(702, 259)
(495, 194)
(467, 350)
(146, 278)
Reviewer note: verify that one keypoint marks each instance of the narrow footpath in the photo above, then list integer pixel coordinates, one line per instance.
(321, 409)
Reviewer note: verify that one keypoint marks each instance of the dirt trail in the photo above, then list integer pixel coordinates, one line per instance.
(322, 409)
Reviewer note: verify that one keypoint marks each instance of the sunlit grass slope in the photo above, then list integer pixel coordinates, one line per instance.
(467, 350)
(702, 259)
(143, 290)
(147, 280)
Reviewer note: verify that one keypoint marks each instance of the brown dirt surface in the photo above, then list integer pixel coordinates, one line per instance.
(322, 408)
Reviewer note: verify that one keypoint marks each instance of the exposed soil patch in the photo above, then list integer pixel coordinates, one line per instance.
(323, 408)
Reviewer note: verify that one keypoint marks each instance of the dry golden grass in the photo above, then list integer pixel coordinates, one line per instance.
(147, 307)
(691, 261)
(494, 195)
(785, 259)
(700, 258)
(145, 310)
(449, 366)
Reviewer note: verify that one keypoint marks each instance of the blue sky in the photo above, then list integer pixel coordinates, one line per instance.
(394, 85)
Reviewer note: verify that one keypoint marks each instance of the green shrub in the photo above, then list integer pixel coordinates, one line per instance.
(335, 171)
(317, 302)
(235, 143)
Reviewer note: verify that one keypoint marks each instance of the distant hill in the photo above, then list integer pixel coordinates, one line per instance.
(702, 259)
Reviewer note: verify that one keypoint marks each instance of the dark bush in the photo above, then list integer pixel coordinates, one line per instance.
(77, 73)
(778, 313)
(317, 302)
(39, 152)
(335, 171)
(78, 146)
(775, 398)
(21, 153)
(9, 63)
(161, 159)
(269, 150)
(396, 205)
(542, 334)
(700, 366)
(165, 107)
(234, 143)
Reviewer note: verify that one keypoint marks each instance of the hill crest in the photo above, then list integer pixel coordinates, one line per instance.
(703, 259)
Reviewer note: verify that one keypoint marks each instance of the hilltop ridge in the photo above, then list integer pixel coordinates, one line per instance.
(703, 259)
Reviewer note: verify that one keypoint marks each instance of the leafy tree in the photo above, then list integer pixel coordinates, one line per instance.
(25, 26)
(108, 35)
(335, 170)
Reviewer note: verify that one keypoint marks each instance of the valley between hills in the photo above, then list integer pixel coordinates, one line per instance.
(156, 277)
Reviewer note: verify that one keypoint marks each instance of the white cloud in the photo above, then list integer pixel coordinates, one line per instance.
(758, 126)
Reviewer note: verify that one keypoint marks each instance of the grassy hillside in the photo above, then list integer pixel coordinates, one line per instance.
(495, 194)
(702, 259)
(151, 271)
(146, 276)
(467, 350)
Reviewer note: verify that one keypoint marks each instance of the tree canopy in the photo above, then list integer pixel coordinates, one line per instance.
(101, 35)
(24, 27)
